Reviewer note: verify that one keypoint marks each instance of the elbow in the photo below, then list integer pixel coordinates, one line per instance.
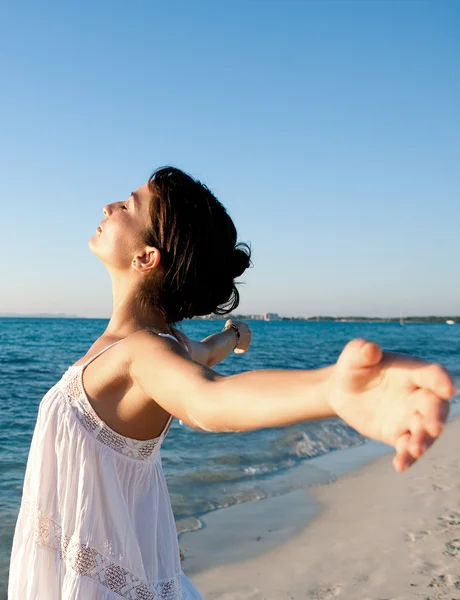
(210, 354)
(211, 360)
(213, 423)
(197, 423)
(212, 426)
(200, 414)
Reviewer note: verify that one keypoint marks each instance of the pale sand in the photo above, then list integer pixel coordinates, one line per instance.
(380, 535)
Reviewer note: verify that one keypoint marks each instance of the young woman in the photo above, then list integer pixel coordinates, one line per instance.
(95, 521)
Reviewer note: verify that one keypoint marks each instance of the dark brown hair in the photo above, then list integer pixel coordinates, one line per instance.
(200, 257)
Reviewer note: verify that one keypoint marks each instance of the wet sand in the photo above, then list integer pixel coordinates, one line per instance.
(372, 534)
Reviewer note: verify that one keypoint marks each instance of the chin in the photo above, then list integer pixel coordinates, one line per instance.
(92, 245)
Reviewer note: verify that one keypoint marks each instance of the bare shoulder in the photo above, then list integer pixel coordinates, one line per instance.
(146, 344)
(163, 371)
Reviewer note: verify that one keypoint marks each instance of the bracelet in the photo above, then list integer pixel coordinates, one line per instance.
(236, 330)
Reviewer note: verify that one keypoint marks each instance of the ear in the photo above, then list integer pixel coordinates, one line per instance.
(147, 260)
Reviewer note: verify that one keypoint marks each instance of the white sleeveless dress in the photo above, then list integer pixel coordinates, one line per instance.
(95, 521)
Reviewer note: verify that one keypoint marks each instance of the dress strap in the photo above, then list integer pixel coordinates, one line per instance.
(99, 353)
(171, 417)
(183, 344)
(168, 425)
(118, 341)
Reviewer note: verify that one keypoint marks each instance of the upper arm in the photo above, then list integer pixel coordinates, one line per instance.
(168, 375)
(199, 351)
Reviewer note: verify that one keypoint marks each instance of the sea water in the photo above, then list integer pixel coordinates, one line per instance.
(204, 471)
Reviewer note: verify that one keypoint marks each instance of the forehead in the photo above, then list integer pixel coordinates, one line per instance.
(143, 191)
(142, 197)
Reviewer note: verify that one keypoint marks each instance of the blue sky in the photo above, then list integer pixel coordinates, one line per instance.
(329, 130)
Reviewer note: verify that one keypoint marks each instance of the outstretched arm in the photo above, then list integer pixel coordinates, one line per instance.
(396, 399)
(217, 346)
(204, 399)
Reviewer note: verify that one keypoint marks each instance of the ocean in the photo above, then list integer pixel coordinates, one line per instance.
(204, 471)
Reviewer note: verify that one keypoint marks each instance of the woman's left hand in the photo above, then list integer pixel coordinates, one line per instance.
(393, 398)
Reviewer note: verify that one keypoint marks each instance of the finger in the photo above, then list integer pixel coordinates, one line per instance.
(361, 353)
(402, 463)
(434, 378)
(403, 459)
(416, 443)
(402, 454)
(428, 442)
(401, 442)
(434, 411)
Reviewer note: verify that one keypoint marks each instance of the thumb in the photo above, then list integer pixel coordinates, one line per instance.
(360, 354)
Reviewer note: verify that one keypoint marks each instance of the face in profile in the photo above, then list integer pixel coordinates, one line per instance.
(120, 234)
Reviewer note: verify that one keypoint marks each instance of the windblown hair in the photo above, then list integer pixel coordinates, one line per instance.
(200, 256)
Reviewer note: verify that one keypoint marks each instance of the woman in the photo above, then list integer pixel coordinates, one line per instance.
(95, 520)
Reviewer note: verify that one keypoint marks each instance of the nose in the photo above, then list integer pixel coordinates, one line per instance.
(107, 210)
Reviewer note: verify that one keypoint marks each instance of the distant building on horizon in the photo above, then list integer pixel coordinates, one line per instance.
(271, 317)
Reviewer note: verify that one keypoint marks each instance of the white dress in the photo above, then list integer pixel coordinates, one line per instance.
(95, 521)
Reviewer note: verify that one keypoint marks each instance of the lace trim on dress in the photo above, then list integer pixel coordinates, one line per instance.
(89, 562)
(75, 393)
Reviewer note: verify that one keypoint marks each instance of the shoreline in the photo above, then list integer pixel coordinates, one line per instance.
(369, 533)
(252, 528)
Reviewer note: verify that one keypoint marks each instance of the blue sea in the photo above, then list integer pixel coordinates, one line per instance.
(205, 471)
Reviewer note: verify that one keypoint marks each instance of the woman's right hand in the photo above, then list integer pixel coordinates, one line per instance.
(245, 335)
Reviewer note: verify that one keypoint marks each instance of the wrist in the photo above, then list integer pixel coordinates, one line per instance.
(236, 333)
(330, 388)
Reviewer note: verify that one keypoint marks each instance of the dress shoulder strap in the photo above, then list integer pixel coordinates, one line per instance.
(167, 426)
(171, 417)
(183, 344)
(99, 353)
(118, 341)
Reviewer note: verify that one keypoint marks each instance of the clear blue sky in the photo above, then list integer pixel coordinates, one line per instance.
(329, 130)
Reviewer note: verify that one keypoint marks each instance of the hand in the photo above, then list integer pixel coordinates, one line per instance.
(245, 336)
(393, 398)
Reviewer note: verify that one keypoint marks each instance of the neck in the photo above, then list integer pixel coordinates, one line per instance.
(128, 315)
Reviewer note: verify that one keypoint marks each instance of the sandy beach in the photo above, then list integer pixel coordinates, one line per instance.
(372, 534)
